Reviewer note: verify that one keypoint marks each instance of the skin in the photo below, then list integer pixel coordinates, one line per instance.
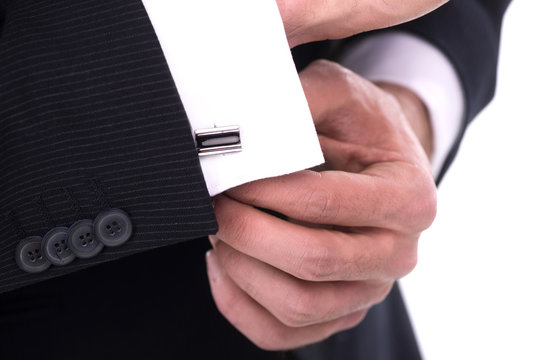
(311, 20)
(352, 227)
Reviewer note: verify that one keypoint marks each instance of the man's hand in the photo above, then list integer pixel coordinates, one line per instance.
(352, 229)
(310, 20)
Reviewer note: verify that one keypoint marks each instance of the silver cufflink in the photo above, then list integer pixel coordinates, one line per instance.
(219, 140)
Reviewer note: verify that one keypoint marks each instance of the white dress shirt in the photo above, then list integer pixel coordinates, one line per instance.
(232, 66)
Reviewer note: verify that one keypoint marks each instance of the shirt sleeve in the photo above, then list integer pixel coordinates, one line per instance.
(407, 60)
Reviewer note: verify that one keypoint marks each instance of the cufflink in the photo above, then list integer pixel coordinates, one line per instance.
(219, 140)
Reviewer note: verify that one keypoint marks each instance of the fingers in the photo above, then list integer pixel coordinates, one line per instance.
(260, 326)
(360, 133)
(314, 254)
(346, 199)
(294, 302)
(311, 20)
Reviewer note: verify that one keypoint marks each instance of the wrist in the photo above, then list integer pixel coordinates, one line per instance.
(415, 112)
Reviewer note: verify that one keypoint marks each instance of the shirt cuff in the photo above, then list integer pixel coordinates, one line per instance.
(232, 66)
(407, 60)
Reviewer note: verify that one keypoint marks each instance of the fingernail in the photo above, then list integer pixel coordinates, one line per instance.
(213, 240)
(213, 268)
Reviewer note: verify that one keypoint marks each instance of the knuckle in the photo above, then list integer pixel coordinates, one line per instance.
(299, 310)
(319, 264)
(321, 63)
(363, 266)
(238, 228)
(366, 264)
(320, 206)
(420, 205)
(406, 263)
(428, 204)
(327, 67)
(404, 257)
(395, 257)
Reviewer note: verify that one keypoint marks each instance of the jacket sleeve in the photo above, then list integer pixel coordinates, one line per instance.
(96, 151)
(466, 31)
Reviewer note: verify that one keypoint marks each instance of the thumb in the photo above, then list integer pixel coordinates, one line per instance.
(313, 20)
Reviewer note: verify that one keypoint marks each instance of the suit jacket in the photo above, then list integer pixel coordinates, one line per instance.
(90, 122)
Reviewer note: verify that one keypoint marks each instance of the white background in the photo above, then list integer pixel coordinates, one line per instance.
(476, 293)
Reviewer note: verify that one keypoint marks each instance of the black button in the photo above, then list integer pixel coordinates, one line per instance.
(29, 257)
(113, 227)
(55, 246)
(82, 240)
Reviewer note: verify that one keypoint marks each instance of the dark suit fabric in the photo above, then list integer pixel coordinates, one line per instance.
(90, 119)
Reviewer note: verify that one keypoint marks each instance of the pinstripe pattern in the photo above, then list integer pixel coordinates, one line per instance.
(86, 102)
(85, 94)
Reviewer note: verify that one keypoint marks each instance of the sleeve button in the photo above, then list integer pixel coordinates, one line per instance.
(82, 241)
(113, 227)
(29, 257)
(55, 246)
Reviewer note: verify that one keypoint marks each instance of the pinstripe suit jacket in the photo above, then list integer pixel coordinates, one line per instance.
(90, 120)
